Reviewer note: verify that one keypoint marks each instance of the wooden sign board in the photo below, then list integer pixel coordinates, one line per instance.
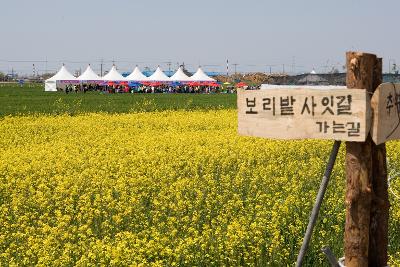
(386, 113)
(339, 114)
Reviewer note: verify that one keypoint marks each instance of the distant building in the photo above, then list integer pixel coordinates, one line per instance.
(313, 79)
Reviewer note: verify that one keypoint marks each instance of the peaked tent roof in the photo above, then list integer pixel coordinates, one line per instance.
(113, 75)
(180, 76)
(200, 76)
(62, 75)
(89, 75)
(136, 75)
(159, 76)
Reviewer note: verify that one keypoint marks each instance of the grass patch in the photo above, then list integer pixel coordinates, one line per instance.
(16, 100)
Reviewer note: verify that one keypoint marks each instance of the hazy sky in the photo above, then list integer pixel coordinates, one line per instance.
(252, 33)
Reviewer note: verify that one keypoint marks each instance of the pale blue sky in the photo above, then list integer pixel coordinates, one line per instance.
(253, 33)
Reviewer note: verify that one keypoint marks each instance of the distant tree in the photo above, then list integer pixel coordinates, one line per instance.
(2, 76)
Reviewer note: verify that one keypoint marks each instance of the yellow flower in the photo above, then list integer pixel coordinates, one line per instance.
(173, 188)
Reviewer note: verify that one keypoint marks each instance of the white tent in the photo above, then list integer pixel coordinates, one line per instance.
(113, 75)
(136, 75)
(200, 76)
(89, 75)
(180, 76)
(159, 76)
(63, 75)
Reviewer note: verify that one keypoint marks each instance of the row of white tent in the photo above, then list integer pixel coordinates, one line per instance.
(64, 76)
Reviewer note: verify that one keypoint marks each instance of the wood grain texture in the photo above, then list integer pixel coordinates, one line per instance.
(385, 104)
(315, 114)
(379, 216)
(360, 72)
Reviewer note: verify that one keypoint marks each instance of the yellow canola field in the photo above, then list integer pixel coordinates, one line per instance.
(171, 188)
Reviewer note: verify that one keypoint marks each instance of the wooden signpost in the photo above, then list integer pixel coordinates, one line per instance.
(339, 114)
(386, 117)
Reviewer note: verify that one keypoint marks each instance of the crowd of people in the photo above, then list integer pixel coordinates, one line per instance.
(162, 88)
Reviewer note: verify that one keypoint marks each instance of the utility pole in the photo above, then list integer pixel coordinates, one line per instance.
(169, 67)
(268, 67)
(101, 68)
(390, 65)
(293, 65)
(326, 66)
(235, 65)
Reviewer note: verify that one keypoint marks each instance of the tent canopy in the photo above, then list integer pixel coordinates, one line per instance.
(89, 75)
(180, 76)
(159, 76)
(113, 75)
(136, 75)
(200, 76)
(63, 75)
(241, 84)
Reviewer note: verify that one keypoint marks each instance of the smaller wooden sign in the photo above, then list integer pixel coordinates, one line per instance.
(339, 114)
(386, 113)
